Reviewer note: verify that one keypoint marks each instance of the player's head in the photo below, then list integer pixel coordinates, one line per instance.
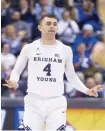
(48, 25)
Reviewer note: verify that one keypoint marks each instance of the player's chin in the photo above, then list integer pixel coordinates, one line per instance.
(51, 34)
(51, 31)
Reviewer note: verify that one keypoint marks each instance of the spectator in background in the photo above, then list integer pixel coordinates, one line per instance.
(72, 11)
(87, 37)
(11, 37)
(7, 59)
(98, 78)
(98, 53)
(59, 3)
(6, 12)
(28, 15)
(87, 14)
(90, 82)
(49, 8)
(7, 63)
(70, 5)
(67, 29)
(81, 60)
(20, 25)
(43, 12)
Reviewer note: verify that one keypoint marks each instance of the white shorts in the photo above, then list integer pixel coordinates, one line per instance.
(50, 112)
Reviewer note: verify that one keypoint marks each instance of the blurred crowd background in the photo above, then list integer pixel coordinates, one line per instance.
(80, 27)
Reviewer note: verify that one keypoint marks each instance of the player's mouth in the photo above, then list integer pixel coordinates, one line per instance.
(51, 31)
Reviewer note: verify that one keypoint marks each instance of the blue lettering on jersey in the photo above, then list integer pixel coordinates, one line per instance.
(46, 79)
(56, 60)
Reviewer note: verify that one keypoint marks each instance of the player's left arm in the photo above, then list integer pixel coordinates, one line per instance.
(74, 79)
(18, 68)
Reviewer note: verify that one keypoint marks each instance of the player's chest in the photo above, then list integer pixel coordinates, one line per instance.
(41, 56)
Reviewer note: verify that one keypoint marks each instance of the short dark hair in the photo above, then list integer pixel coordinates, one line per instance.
(47, 15)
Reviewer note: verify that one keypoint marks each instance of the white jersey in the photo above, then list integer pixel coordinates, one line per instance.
(46, 67)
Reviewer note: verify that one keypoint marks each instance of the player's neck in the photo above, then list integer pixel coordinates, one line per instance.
(48, 41)
(5, 53)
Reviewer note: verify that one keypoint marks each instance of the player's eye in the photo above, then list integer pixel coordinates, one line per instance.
(48, 23)
(55, 24)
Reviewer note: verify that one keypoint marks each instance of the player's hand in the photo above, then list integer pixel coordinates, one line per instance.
(11, 84)
(94, 91)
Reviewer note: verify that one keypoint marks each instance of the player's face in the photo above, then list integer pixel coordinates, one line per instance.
(49, 26)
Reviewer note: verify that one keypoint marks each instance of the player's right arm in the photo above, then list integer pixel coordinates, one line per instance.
(19, 66)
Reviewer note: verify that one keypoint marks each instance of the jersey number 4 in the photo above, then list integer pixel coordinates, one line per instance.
(48, 69)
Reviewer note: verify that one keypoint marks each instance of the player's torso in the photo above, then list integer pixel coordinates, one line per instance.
(47, 63)
(46, 66)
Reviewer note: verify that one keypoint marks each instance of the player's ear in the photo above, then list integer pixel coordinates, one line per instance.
(39, 27)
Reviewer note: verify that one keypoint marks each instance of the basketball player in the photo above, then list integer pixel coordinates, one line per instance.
(47, 59)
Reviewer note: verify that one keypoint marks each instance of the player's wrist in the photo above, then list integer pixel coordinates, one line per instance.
(17, 86)
(87, 92)
(14, 84)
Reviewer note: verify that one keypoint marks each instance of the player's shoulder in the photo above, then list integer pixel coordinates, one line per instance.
(65, 47)
(32, 44)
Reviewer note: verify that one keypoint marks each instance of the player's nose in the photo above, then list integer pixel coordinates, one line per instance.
(52, 27)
